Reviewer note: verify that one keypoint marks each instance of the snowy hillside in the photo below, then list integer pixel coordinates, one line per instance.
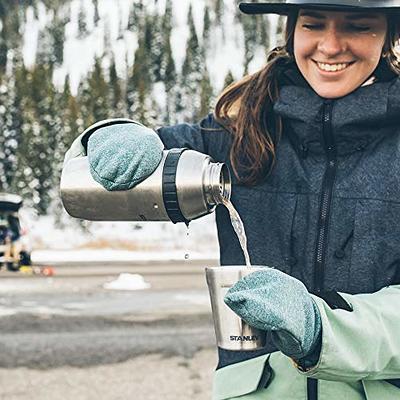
(66, 64)
(226, 53)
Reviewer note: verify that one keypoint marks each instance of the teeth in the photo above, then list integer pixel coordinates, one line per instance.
(332, 67)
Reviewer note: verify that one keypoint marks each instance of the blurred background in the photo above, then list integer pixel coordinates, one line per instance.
(109, 310)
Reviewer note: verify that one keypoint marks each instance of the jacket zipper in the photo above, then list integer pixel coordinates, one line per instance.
(326, 196)
(324, 214)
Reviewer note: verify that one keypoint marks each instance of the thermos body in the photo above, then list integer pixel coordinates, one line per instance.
(186, 185)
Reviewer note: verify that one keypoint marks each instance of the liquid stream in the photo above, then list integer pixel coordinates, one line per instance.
(238, 226)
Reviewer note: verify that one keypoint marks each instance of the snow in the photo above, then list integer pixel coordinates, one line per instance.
(127, 281)
(67, 241)
(54, 257)
(129, 241)
(160, 94)
(227, 52)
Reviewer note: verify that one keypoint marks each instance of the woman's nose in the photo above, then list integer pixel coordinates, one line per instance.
(331, 43)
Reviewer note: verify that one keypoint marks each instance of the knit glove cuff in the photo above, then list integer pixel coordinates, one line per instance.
(301, 347)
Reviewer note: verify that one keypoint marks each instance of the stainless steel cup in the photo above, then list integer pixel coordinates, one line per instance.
(232, 333)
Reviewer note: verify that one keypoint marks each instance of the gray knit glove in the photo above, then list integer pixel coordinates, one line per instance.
(274, 301)
(122, 155)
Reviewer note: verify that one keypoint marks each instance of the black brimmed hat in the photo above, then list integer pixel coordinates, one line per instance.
(284, 7)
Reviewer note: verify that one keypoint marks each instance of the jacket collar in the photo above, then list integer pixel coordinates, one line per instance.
(358, 119)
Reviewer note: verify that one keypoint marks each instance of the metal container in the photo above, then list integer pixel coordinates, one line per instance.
(186, 185)
(232, 333)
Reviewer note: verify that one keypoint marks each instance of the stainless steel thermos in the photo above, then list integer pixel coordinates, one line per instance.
(186, 185)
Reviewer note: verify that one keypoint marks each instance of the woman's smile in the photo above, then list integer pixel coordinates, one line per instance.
(332, 68)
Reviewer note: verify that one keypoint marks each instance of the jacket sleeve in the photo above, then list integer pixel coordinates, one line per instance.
(206, 137)
(363, 344)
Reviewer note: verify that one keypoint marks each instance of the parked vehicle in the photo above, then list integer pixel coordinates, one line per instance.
(15, 249)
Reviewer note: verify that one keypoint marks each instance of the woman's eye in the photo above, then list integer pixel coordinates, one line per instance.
(312, 27)
(359, 28)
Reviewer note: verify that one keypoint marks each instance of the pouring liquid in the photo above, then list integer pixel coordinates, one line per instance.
(238, 226)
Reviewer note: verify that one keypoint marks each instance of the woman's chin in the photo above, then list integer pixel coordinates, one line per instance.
(333, 91)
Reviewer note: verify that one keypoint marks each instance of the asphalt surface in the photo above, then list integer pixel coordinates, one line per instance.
(66, 337)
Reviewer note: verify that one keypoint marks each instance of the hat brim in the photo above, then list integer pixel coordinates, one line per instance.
(285, 9)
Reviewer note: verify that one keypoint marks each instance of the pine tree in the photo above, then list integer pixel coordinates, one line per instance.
(136, 16)
(206, 94)
(3, 48)
(219, 10)
(263, 29)
(107, 51)
(3, 8)
(167, 65)
(84, 102)
(14, 21)
(192, 74)
(229, 79)
(116, 101)
(250, 31)
(169, 69)
(82, 22)
(121, 30)
(93, 96)
(139, 85)
(132, 19)
(71, 119)
(13, 101)
(170, 81)
(40, 137)
(206, 26)
(167, 19)
(10, 36)
(139, 101)
(96, 15)
(156, 41)
(69, 125)
(280, 34)
(6, 100)
(57, 32)
(45, 53)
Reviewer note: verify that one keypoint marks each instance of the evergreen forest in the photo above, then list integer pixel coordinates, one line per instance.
(40, 118)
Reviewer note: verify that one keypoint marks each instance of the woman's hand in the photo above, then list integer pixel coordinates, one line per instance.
(274, 301)
(123, 155)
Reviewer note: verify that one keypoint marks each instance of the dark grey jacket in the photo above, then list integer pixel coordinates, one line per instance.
(329, 213)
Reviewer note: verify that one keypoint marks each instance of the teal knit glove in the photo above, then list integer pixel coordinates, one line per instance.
(122, 155)
(274, 301)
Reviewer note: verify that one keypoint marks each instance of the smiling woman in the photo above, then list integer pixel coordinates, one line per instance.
(334, 46)
(313, 139)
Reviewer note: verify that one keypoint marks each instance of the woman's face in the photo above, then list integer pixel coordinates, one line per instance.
(338, 51)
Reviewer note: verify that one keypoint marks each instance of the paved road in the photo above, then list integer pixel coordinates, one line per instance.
(53, 329)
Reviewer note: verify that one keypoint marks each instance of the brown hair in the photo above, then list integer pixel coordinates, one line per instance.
(390, 54)
(245, 108)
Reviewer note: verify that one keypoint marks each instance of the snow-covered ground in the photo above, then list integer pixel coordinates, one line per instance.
(119, 241)
(105, 255)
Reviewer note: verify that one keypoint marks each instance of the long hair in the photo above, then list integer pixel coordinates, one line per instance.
(391, 53)
(245, 108)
